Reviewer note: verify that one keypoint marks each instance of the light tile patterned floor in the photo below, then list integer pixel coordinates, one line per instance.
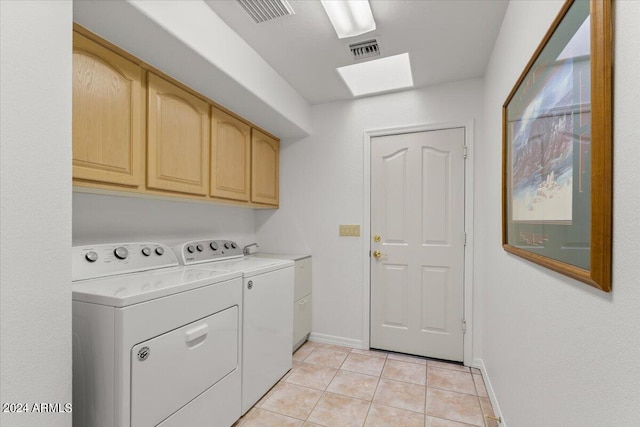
(335, 386)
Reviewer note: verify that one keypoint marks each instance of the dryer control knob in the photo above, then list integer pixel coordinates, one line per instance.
(190, 249)
(214, 246)
(91, 256)
(226, 245)
(233, 245)
(121, 252)
(200, 248)
(159, 250)
(146, 251)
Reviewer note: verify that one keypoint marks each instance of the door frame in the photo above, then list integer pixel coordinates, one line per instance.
(468, 127)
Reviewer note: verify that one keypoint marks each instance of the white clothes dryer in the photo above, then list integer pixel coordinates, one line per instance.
(267, 298)
(154, 343)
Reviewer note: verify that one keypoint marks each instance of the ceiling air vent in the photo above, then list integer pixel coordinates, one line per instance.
(266, 10)
(365, 49)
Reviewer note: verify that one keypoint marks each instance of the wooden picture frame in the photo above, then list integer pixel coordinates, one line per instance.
(557, 149)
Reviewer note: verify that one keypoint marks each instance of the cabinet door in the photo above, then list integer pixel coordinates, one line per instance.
(108, 116)
(265, 156)
(301, 319)
(230, 156)
(178, 139)
(302, 282)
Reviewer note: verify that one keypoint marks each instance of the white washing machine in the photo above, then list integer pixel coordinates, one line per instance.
(267, 310)
(154, 343)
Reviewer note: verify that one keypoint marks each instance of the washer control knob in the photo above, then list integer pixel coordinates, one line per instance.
(190, 249)
(121, 252)
(91, 256)
(146, 251)
(200, 248)
(159, 250)
(214, 246)
(226, 245)
(233, 245)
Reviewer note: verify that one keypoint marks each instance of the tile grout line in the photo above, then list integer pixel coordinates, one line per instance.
(475, 387)
(327, 386)
(277, 413)
(426, 389)
(291, 371)
(376, 389)
(452, 391)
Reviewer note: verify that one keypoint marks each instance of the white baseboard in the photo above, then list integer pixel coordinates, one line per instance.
(332, 339)
(478, 363)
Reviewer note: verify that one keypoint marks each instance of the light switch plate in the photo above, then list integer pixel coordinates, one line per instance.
(350, 230)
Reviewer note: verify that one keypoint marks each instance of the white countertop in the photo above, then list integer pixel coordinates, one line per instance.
(293, 257)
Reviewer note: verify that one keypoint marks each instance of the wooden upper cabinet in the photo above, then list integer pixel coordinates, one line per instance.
(265, 157)
(178, 139)
(136, 132)
(230, 156)
(108, 116)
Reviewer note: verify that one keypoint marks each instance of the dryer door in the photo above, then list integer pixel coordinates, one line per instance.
(172, 369)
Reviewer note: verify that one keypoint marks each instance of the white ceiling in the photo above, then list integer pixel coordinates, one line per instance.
(447, 40)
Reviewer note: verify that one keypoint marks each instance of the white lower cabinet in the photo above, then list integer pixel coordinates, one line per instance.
(302, 303)
(301, 321)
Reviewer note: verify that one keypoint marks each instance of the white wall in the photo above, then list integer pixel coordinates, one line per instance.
(35, 208)
(558, 352)
(101, 218)
(322, 187)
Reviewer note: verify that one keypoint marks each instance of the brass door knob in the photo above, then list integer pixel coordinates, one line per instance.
(378, 254)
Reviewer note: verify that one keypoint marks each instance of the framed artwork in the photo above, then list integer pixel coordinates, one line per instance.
(557, 149)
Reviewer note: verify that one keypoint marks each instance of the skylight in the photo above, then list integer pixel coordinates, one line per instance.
(380, 75)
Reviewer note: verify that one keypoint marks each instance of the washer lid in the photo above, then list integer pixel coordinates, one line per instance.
(250, 266)
(128, 289)
(293, 257)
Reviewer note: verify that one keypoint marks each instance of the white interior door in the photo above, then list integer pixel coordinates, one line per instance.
(417, 262)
